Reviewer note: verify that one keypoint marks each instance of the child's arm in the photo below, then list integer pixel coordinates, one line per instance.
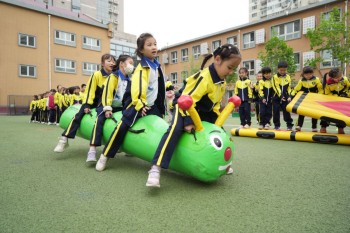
(319, 86)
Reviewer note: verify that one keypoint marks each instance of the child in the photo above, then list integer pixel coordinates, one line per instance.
(256, 99)
(92, 100)
(33, 109)
(114, 87)
(145, 97)
(170, 95)
(282, 99)
(206, 89)
(243, 90)
(51, 107)
(338, 86)
(82, 91)
(307, 83)
(267, 92)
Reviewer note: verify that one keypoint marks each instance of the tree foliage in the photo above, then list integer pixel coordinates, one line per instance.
(331, 34)
(277, 50)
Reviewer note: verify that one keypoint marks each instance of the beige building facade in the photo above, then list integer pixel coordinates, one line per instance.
(42, 48)
(181, 59)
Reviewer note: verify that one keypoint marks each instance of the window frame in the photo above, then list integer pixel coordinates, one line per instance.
(27, 40)
(64, 68)
(234, 43)
(90, 71)
(215, 44)
(196, 54)
(173, 55)
(251, 43)
(184, 55)
(64, 41)
(28, 71)
(332, 62)
(284, 36)
(173, 78)
(91, 45)
(251, 70)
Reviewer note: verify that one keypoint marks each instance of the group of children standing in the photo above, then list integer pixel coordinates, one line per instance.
(145, 94)
(272, 93)
(47, 108)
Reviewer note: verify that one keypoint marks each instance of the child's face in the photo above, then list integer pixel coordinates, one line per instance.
(227, 67)
(108, 65)
(337, 78)
(243, 73)
(77, 91)
(258, 77)
(308, 76)
(282, 71)
(150, 48)
(267, 75)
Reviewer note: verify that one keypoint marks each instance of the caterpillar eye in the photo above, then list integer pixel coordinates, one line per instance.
(216, 141)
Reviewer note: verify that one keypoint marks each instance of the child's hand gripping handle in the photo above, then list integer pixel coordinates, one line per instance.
(233, 102)
(185, 102)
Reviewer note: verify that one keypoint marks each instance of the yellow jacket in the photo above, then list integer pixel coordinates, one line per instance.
(243, 90)
(94, 88)
(206, 91)
(284, 84)
(338, 89)
(313, 85)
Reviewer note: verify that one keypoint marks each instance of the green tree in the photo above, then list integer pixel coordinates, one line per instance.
(333, 35)
(277, 50)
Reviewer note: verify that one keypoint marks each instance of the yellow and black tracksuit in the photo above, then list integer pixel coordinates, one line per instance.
(32, 108)
(340, 89)
(256, 100)
(267, 92)
(280, 100)
(147, 81)
(93, 91)
(206, 91)
(243, 91)
(312, 85)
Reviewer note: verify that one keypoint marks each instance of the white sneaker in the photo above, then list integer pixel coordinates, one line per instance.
(101, 163)
(91, 156)
(298, 128)
(267, 126)
(230, 171)
(246, 126)
(261, 127)
(153, 177)
(61, 145)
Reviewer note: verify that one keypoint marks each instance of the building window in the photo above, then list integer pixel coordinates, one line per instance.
(91, 43)
(232, 40)
(328, 60)
(26, 40)
(196, 51)
(184, 54)
(173, 78)
(216, 44)
(287, 31)
(157, 58)
(117, 50)
(174, 57)
(327, 15)
(90, 68)
(65, 38)
(27, 71)
(248, 40)
(250, 66)
(66, 66)
(297, 60)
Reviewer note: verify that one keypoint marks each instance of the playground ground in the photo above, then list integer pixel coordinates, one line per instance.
(277, 186)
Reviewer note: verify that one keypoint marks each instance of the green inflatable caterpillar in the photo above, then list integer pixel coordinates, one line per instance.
(205, 155)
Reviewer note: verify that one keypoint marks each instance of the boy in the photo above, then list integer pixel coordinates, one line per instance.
(282, 81)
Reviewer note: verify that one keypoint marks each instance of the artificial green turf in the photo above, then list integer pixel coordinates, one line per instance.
(277, 186)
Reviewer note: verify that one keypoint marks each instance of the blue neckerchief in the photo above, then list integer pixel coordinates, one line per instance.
(153, 64)
(214, 75)
(122, 76)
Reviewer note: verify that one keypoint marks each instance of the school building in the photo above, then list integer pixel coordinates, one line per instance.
(43, 46)
(183, 59)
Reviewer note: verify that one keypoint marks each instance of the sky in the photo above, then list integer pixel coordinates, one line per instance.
(176, 21)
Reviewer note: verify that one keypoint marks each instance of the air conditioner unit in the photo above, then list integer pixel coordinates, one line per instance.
(116, 12)
(116, 2)
(110, 10)
(115, 21)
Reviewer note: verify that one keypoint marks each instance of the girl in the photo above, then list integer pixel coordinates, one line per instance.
(307, 83)
(145, 97)
(206, 89)
(92, 100)
(33, 109)
(114, 86)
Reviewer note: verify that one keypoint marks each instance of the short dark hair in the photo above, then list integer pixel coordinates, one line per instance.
(308, 70)
(282, 64)
(266, 70)
(83, 85)
(333, 73)
(141, 43)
